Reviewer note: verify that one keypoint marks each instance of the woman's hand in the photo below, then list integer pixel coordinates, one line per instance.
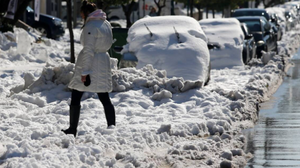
(83, 78)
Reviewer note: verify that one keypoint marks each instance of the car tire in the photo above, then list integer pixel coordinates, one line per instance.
(276, 48)
(44, 30)
(208, 75)
(245, 55)
(266, 49)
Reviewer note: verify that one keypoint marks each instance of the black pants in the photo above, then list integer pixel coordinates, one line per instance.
(105, 100)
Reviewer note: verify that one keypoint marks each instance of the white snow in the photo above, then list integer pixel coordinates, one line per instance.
(161, 121)
(228, 35)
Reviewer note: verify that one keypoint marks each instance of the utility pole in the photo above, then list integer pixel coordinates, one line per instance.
(75, 13)
(69, 24)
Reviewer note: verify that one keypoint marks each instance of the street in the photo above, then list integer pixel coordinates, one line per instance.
(274, 141)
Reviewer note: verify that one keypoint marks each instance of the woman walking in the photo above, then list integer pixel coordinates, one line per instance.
(92, 69)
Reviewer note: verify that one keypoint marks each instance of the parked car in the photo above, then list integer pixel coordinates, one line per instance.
(176, 44)
(258, 12)
(278, 18)
(249, 46)
(263, 33)
(48, 25)
(250, 12)
(295, 6)
(227, 33)
(276, 21)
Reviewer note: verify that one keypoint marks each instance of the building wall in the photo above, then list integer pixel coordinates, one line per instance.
(43, 5)
(55, 8)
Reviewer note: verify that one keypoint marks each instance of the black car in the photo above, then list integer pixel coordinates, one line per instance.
(259, 12)
(249, 46)
(250, 12)
(264, 35)
(48, 25)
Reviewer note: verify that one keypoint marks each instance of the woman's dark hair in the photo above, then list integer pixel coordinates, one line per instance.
(87, 7)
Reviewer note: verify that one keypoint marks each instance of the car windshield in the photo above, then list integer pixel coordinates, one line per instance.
(253, 26)
(29, 9)
(250, 13)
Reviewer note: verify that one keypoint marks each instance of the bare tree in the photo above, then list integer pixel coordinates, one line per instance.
(160, 4)
(127, 11)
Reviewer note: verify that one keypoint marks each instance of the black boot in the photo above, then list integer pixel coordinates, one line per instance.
(110, 115)
(74, 118)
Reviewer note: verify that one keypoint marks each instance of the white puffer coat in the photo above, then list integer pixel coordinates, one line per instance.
(96, 38)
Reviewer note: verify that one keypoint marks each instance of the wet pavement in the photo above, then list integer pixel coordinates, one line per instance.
(275, 140)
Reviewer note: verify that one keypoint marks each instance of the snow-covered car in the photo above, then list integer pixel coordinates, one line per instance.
(228, 35)
(295, 6)
(166, 42)
(278, 17)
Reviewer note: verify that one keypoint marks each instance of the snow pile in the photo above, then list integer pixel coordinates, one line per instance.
(228, 35)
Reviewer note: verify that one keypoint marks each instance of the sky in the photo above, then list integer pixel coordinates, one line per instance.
(161, 121)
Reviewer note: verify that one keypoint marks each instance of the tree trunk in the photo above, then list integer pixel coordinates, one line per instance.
(200, 13)
(127, 11)
(213, 13)
(223, 13)
(207, 12)
(128, 22)
(160, 7)
(69, 24)
(257, 2)
(192, 7)
(74, 13)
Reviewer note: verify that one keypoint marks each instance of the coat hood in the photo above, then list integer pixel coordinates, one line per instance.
(97, 15)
